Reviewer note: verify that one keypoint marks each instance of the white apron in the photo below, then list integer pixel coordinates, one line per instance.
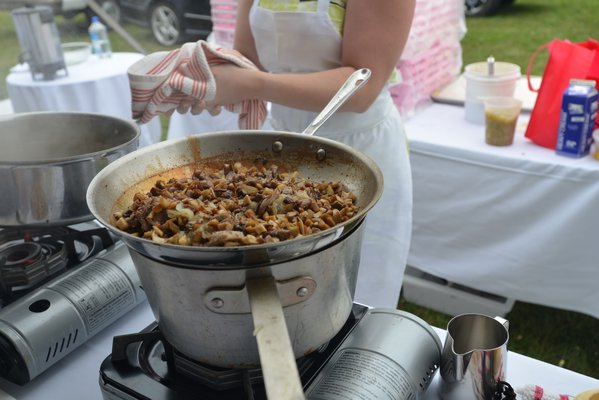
(308, 42)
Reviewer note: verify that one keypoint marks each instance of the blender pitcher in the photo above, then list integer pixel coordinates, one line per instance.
(40, 42)
(474, 357)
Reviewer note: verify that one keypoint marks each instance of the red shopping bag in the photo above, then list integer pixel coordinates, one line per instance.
(566, 61)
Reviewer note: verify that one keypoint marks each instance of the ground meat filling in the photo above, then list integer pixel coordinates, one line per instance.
(236, 205)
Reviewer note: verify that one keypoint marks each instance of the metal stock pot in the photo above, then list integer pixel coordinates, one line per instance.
(47, 159)
(199, 295)
(205, 313)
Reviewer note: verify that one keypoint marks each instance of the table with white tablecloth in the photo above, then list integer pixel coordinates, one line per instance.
(76, 376)
(517, 221)
(97, 85)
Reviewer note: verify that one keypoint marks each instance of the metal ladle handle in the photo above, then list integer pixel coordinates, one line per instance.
(355, 81)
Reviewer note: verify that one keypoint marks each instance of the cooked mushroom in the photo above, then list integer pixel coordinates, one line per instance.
(236, 205)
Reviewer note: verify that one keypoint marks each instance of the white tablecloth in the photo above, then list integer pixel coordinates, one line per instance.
(517, 221)
(76, 376)
(96, 85)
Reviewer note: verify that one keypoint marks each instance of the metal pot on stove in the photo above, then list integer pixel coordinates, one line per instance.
(199, 295)
(47, 160)
(206, 315)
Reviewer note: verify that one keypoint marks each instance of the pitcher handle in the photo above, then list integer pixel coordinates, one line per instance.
(503, 322)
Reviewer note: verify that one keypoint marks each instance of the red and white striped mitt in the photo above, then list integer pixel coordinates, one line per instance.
(161, 80)
(535, 392)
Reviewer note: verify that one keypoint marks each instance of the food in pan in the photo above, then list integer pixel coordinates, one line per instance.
(236, 204)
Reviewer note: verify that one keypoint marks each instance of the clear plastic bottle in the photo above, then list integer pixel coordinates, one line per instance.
(99, 38)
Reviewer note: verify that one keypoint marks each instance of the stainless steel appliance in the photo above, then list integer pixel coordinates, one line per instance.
(59, 286)
(40, 42)
(378, 354)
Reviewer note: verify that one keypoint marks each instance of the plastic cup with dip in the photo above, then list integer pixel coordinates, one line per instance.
(488, 79)
(501, 116)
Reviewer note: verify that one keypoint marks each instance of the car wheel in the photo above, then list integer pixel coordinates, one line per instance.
(112, 8)
(165, 24)
(481, 8)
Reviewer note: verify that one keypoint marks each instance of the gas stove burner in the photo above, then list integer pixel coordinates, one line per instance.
(80, 242)
(226, 378)
(144, 365)
(24, 265)
(31, 256)
(41, 325)
(24, 254)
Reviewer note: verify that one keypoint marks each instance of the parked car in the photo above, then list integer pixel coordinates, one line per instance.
(65, 8)
(482, 8)
(171, 21)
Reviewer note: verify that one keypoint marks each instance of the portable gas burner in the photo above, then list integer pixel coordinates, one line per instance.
(58, 287)
(377, 354)
(30, 257)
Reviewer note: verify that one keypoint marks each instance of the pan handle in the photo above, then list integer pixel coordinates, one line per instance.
(355, 81)
(279, 368)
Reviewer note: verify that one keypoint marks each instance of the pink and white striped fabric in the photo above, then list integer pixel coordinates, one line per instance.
(161, 80)
(535, 392)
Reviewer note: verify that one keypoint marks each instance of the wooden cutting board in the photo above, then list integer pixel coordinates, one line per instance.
(455, 92)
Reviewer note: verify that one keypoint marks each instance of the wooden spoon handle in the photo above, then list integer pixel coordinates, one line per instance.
(279, 368)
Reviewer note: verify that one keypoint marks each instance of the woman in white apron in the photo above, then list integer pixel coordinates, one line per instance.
(307, 59)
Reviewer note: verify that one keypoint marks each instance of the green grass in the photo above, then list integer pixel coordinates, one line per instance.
(520, 28)
(558, 337)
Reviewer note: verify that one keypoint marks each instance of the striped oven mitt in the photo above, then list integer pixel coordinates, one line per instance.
(535, 392)
(161, 80)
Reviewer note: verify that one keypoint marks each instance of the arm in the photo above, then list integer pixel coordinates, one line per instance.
(244, 41)
(374, 36)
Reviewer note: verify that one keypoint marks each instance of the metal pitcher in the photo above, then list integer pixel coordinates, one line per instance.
(474, 357)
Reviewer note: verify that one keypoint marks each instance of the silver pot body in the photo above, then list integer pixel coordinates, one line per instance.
(48, 159)
(205, 314)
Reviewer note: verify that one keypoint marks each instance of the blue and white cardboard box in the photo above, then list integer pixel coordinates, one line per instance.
(577, 119)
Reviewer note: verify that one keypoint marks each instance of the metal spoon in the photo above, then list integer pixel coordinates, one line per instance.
(491, 65)
(355, 81)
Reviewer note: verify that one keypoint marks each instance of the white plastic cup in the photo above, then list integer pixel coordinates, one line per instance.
(480, 83)
(501, 117)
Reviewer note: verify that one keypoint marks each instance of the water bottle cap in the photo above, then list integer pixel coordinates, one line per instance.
(95, 18)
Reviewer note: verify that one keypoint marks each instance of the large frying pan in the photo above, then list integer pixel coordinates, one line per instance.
(315, 158)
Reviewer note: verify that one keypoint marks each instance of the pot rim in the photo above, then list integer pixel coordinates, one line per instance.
(250, 255)
(74, 158)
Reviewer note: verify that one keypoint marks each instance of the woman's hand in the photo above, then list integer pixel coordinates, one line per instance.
(233, 84)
